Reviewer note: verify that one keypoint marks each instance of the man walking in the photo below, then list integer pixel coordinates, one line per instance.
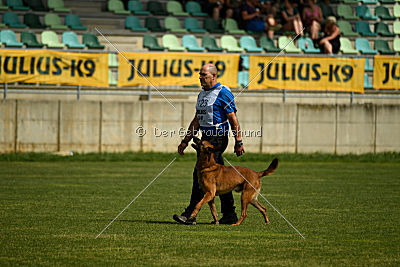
(215, 110)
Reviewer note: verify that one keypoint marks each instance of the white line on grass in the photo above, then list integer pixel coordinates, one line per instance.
(135, 198)
(244, 88)
(135, 68)
(258, 192)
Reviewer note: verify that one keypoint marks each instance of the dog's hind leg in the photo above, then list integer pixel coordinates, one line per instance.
(213, 211)
(261, 208)
(246, 196)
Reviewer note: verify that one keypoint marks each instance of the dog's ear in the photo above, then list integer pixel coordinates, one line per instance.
(196, 140)
(195, 147)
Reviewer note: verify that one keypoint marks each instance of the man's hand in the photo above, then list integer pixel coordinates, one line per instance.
(181, 148)
(239, 149)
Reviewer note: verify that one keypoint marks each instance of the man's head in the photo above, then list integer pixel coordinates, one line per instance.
(208, 76)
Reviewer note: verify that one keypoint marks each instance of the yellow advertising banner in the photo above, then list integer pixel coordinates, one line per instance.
(54, 67)
(386, 72)
(174, 68)
(307, 73)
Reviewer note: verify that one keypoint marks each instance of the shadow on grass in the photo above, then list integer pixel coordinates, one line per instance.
(150, 222)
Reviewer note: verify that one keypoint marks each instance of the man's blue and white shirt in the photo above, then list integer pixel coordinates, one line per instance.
(211, 109)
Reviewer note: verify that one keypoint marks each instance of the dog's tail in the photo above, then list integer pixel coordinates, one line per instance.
(271, 168)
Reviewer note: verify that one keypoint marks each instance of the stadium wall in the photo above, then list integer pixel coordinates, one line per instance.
(95, 126)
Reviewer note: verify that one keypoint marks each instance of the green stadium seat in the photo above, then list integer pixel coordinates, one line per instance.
(153, 24)
(50, 39)
(192, 25)
(194, 9)
(211, 25)
(383, 47)
(285, 43)
(17, 5)
(137, 8)
(368, 66)
(346, 12)
(383, 13)
(396, 27)
(396, 44)
(37, 5)
(171, 42)
(190, 43)
(91, 41)
(11, 20)
(2, 25)
(113, 60)
(346, 47)
(173, 25)
(70, 39)
(387, 2)
(367, 83)
(156, 8)
(307, 45)
(231, 26)
(229, 43)
(382, 29)
(363, 46)
(53, 21)
(249, 44)
(74, 22)
(345, 28)
(327, 10)
(370, 2)
(33, 21)
(245, 62)
(268, 44)
(175, 8)
(9, 39)
(243, 78)
(151, 43)
(2, 6)
(133, 23)
(365, 13)
(363, 28)
(209, 43)
(350, 2)
(57, 6)
(396, 10)
(29, 39)
(111, 79)
(117, 7)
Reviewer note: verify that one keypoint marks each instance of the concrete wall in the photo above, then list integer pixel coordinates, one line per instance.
(95, 126)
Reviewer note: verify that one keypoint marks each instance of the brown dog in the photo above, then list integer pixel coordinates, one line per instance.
(216, 179)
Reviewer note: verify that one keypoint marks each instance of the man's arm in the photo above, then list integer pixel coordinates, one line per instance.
(193, 128)
(233, 121)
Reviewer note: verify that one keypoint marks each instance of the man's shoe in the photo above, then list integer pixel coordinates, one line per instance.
(180, 218)
(229, 219)
(191, 221)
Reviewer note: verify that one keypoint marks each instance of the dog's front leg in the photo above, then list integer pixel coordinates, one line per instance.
(207, 198)
(213, 211)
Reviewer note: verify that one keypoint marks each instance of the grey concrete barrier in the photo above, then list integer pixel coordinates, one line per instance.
(96, 126)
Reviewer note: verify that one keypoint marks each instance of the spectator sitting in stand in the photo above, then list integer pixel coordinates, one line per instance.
(312, 18)
(254, 21)
(291, 18)
(330, 42)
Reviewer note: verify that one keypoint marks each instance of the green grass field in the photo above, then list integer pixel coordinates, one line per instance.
(348, 208)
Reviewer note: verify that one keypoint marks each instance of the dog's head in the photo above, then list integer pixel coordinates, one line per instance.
(202, 147)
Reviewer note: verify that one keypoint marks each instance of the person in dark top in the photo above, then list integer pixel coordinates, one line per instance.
(330, 42)
(254, 20)
(291, 18)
